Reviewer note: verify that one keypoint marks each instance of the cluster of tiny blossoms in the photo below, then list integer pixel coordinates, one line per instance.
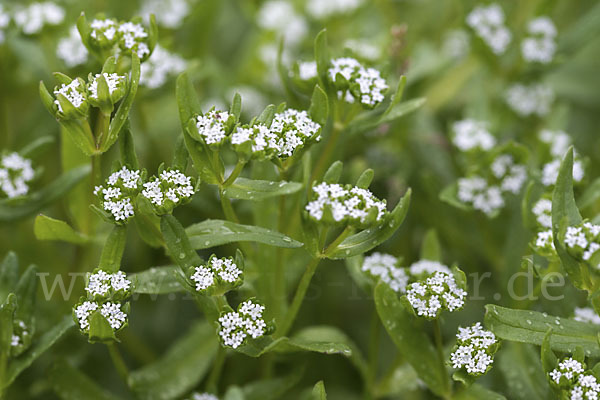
(106, 294)
(385, 268)
(247, 321)
(470, 134)
(161, 64)
(436, 293)
(113, 81)
(212, 126)
(526, 100)
(352, 204)
(586, 314)
(15, 173)
(289, 131)
(31, 19)
(360, 84)
(169, 189)
(129, 36)
(474, 350)
(424, 268)
(540, 45)
(20, 339)
(217, 271)
(488, 24)
(574, 381)
(118, 193)
(169, 13)
(75, 93)
(320, 9)
(543, 242)
(202, 396)
(71, 50)
(583, 241)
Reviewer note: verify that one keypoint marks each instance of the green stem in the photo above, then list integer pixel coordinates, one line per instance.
(228, 208)
(325, 157)
(374, 340)
(439, 345)
(333, 246)
(118, 362)
(213, 379)
(239, 167)
(102, 125)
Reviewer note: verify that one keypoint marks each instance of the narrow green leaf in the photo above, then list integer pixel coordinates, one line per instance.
(549, 360)
(449, 195)
(368, 239)
(62, 78)
(181, 155)
(531, 327)
(153, 34)
(127, 147)
(431, 249)
(118, 120)
(157, 280)
(322, 58)
(147, 223)
(236, 106)
(9, 275)
(249, 189)
(215, 232)
(100, 329)
(26, 295)
(84, 32)
(272, 389)
(334, 172)
(523, 374)
(412, 342)
(365, 179)
(591, 195)
(110, 259)
(266, 117)
(180, 369)
(71, 384)
(478, 392)
(372, 120)
(40, 199)
(398, 95)
(36, 146)
(318, 339)
(46, 228)
(319, 106)
(80, 135)
(38, 347)
(318, 392)
(178, 242)
(47, 99)
(7, 310)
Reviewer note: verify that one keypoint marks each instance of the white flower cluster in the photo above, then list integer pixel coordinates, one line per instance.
(113, 81)
(104, 27)
(488, 23)
(215, 271)
(290, 130)
(170, 188)
(586, 314)
(365, 84)
(423, 268)
(4, 21)
(203, 396)
(133, 37)
(544, 240)
(168, 13)
(161, 64)
(20, 339)
(511, 174)
(323, 9)
(15, 173)
(476, 191)
(575, 381)
(344, 203)
(583, 241)
(534, 99)
(103, 284)
(558, 141)
(542, 210)
(470, 134)
(118, 193)
(279, 16)
(109, 310)
(474, 350)
(31, 19)
(129, 35)
(211, 126)
(540, 46)
(74, 92)
(456, 44)
(247, 321)
(434, 294)
(551, 169)
(71, 50)
(307, 70)
(385, 267)
(363, 48)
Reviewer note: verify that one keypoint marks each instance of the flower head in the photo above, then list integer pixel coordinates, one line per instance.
(134, 38)
(470, 134)
(104, 286)
(169, 13)
(117, 194)
(116, 84)
(357, 83)
(217, 276)
(423, 268)
(586, 314)
(235, 327)
(567, 375)
(540, 45)
(161, 64)
(476, 192)
(488, 24)
(583, 243)
(385, 268)
(103, 33)
(526, 100)
(474, 350)
(170, 189)
(31, 19)
(21, 338)
(435, 293)
(542, 210)
(336, 204)
(214, 126)
(113, 312)
(71, 50)
(559, 141)
(15, 173)
(326, 9)
(550, 172)
(71, 99)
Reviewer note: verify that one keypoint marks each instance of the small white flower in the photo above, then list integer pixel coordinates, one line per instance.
(161, 64)
(540, 46)
(133, 37)
(586, 314)
(169, 189)
(488, 24)
(307, 70)
(74, 92)
(323, 9)
(279, 16)
(456, 44)
(71, 50)
(476, 192)
(15, 173)
(112, 81)
(366, 84)
(108, 27)
(211, 126)
(513, 175)
(248, 321)
(474, 350)
(559, 141)
(544, 240)
(424, 268)
(117, 194)
(569, 369)
(534, 99)
(363, 48)
(436, 293)
(550, 172)
(542, 210)
(470, 134)
(113, 314)
(83, 311)
(32, 19)
(384, 267)
(583, 242)
(168, 13)
(217, 269)
(203, 396)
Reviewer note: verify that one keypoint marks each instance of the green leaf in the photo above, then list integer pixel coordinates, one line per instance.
(449, 195)
(322, 58)
(266, 117)
(110, 259)
(250, 189)
(121, 116)
(40, 199)
(147, 223)
(431, 249)
(334, 172)
(26, 294)
(234, 393)
(38, 347)
(591, 195)
(100, 329)
(372, 120)
(71, 384)
(365, 179)
(565, 213)
(368, 239)
(36, 146)
(215, 232)
(272, 389)
(398, 95)
(80, 134)
(523, 374)
(46, 228)
(478, 392)
(318, 339)
(157, 280)
(412, 342)
(180, 369)
(549, 360)
(181, 155)
(318, 392)
(7, 310)
(319, 106)
(531, 327)
(9, 275)
(47, 99)
(127, 147)
(236, 106)
(178, 242)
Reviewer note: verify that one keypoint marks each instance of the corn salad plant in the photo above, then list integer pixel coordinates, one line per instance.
(290, 199)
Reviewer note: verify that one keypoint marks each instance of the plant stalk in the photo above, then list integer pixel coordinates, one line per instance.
(118, 362)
